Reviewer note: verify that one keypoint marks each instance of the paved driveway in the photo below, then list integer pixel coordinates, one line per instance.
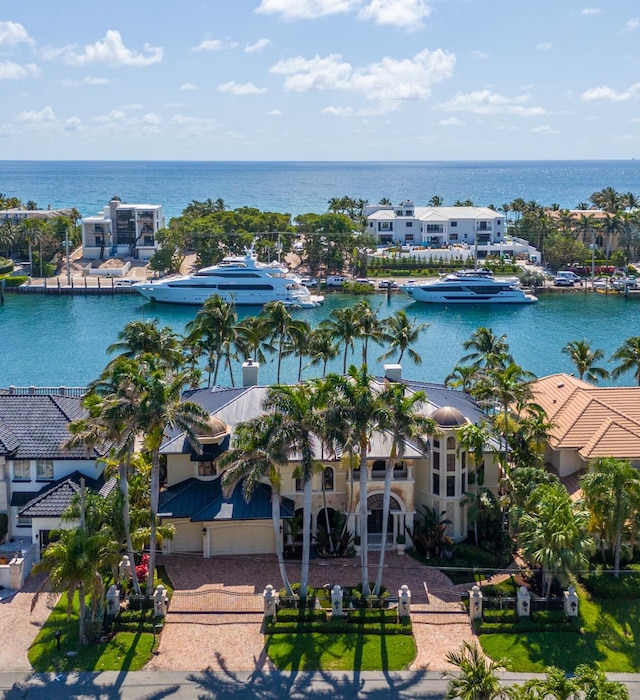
(235, 641)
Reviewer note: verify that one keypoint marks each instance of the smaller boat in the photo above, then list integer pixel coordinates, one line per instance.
(470, 287)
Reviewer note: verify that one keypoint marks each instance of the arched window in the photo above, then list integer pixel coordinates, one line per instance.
(327, 479)
(451, 443)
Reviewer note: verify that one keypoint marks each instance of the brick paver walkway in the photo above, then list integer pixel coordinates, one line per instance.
(235, 641)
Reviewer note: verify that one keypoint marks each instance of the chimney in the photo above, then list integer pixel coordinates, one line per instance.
(393, 373)
(250, 372)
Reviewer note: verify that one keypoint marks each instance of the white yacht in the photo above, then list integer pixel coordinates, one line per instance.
(238, 279)
(470, 287)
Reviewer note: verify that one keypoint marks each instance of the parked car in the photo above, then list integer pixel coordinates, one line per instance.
(364, 280)
(336, 281)
(123, 283)
(309, 281)
(562, 282)
(384, 284)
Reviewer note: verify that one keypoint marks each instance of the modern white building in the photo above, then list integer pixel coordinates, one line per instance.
(122, 231)
(434, 227)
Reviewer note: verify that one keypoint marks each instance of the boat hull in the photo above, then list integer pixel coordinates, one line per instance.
(444, 297)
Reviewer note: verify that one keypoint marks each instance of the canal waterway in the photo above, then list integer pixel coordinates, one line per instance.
(62, 340)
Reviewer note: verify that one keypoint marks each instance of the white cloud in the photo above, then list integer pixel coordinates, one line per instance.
(479, 55)
(188, 86)
(240, 88)
(400, 13)
(632, 24)
(133, 106)
(306, 9)
(451, 121)
(258, 46)
(216, 45)
(381, 108)
(487, 102)
(544, 129)
(604, 92)
(14, 71)
(152, 119)
(389, 80)
(110, 51)
(45, 119)
(12, 33)
(544, 46)
(115, 115)
(274, 113)
(191, 121)
(85, 81)
(591, 11)
(73, 124)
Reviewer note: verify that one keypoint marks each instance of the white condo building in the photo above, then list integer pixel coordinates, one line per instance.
(435, 227)
(122, 231)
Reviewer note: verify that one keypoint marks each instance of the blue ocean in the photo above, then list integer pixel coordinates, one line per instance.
(53, 341)
(301, 187)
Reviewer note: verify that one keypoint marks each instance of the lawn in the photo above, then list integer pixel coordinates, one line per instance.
(609, 638)
(341, 652)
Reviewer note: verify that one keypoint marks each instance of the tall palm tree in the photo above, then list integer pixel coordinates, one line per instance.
(584, 359)
(250, 339)
(628, 358)
(343, 327)
(140, 337)
(401, 332)
(297, 406)
(297, 342)
(214, 330)
(553, 533)
(611, 491)
(278, 324)
(400, 417)
(463, 377)
(613, 225)
(322, 347)
(260, 448)
(478, 675)
(369, 326)
(354, 411)
(31, 231)
(473, 439)
(487, 349)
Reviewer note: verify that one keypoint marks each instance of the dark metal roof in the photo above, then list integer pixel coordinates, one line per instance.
(36, 427)
(203, 501)
(54, 498)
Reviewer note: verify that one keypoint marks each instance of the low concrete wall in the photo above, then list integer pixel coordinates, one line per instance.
(107, 271)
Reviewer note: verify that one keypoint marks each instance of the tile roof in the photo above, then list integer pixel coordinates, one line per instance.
(203, 501)
(54, 498)
(36, 427)
(594, 421)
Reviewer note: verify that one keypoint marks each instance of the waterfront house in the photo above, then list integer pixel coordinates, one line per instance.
(588, 422)
(208, 523)
(435, 227)
(122, 231)
(38, 475)
(16, 216)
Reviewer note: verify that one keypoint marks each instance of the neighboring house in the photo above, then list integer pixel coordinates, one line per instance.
(17, 216)
(588, 422)
(38, 476)
(207, 523)
(435, 227)
(122, 231)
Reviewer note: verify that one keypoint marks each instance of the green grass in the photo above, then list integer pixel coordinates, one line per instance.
(609, 638)
(340, 652)
(128, 651)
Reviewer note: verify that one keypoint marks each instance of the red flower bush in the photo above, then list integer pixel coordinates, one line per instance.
(142, 569)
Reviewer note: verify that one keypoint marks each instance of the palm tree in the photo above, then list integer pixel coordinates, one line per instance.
(297, 406)
(250, 339)
(369, 326)
(596, 686)
(401, 332)
(488, 350)
(473, 439)
(613, 225)
(628, 357)
(553, 533)
(297, 342)
(612, 493)
(343, 327)
(400, 417)
(584, 358)
(140, 337)
(214, 330)
(354, 411)
(462, 377)
(260, 448)
(321, 347)
(477, 679)
(31, 231)
(557, 684)
(278, 324)
(435, 201)
(71, 565)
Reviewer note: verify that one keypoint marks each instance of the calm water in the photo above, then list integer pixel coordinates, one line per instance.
(300, 187)
(51, 341)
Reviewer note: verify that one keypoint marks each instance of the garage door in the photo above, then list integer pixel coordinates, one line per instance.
(187, 538)
(242, 538)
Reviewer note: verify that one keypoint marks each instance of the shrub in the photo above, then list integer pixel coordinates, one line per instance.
(291, 615)
(6, 266)
(602, 585)
(14, 280)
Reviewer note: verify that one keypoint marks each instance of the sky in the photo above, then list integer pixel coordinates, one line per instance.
(320, 80)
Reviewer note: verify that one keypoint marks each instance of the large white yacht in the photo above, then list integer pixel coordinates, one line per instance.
(238, 279)
(470, 287)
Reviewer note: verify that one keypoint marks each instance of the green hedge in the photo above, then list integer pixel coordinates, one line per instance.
(337, 626)
(6, 266)
(525, 626)
(13, 280)
(602, 585)
(292, 615)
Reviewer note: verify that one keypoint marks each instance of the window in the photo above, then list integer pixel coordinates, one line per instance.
(436, 460)
(453, 224)
(24, 521)
(436, 442)
(299, 484)
(464, 483)
(409, 212)
(451, 486)
(451, 461)
(409, 224)
(206, 468)
(399, 212)
(463, 459)
(436, 484)
(472, 478)
(451, 443)
(435, 228)
(408, 237)
(327, 477)
(453, 237)
(44, 469)
(21, 470)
